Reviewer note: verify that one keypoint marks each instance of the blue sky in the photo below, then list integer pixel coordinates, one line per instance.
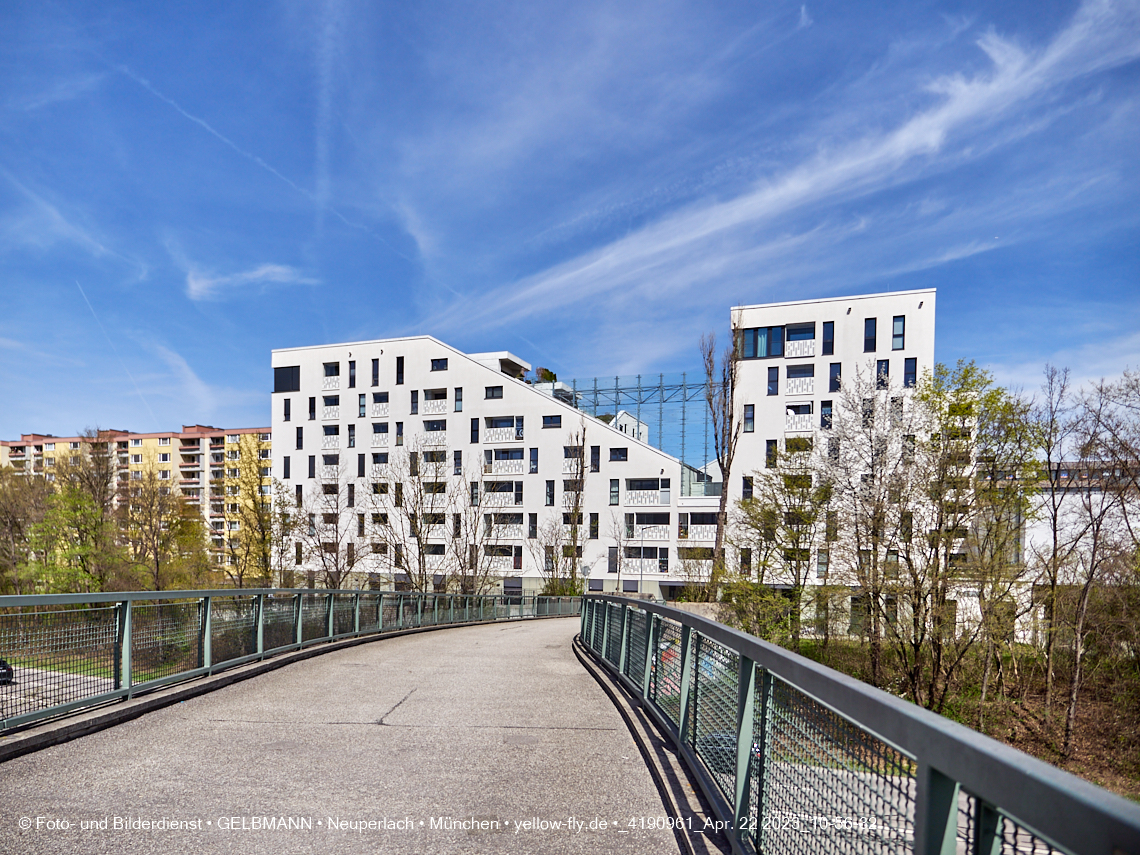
(591, 185)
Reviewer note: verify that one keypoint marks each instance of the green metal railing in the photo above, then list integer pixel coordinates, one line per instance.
(794, 757)
(72, 651)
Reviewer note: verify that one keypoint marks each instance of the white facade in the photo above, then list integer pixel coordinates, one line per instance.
(364, 407)
(785, 381)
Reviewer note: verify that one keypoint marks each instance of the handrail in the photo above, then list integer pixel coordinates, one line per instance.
(784, 747)
(73, 651)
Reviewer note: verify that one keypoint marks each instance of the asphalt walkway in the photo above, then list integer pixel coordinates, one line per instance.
(478, 739)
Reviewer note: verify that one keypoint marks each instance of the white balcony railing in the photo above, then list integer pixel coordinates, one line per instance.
(649, 532)
(631, 567)
(801, 385)
(329, 473)
(504, 434)
(499, 500)
(379, 410)
(434, 408)
(429, 439)
(500, 562)
(512, 531)
(504, 467)
(330, 413)
(328, 442)
(379, 470)
(799, 349)
(330, 384)
(646, 497)
(570, 466)
(379, 440)
(797, 422)
(702, 532)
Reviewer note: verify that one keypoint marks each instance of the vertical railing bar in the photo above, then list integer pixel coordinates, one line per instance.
(259, 638)
(745, 716)
(762, 751)
(935, 812)
(623, 649)
(605, 631)
(356, 613)
(299, 618)
(652, 628)
(125, 642)
(987, 829)
(686, 680)
(330, 608)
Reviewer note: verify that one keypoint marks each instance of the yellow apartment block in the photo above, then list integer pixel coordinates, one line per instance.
(207, 465)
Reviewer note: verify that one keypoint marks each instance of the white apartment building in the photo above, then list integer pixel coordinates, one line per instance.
(372, 411)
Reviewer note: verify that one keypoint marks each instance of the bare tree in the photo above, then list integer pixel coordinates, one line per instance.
(163, 533)
(249, 549)
(329, 524)
(720, 391)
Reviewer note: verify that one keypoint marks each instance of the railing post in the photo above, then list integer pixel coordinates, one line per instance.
(687, 644)
(420, 610)
(259, 639)
(399, 611)
(765, 701)
(745, 716)
(605, 630)
(125, 680)
(935, 812)
(299, 619)
(451, 608)
(623, 649)
(987, 827)
(652, 630)
(380, 614)
(582, 623)
(205, 633)
(330, 607)
(356, 613)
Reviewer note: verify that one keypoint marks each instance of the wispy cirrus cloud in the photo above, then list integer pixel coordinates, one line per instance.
(702, 251)
(205, 286)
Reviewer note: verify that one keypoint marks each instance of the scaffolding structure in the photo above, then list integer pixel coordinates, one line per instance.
(672, 406)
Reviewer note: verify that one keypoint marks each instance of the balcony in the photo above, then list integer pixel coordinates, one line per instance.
(330, 443)
(504, 467)
(191, 464)
(502, 434)
(648, 532)
(701, 532)
(511, 531)
(330, 413)
(801, 385)
(379, 440)
(639, 498)
(429, 439)
(498, 500)
(571, 466)
(379, 410)
(379, 470)
(798, 422)
(330, 384)
(329, 473)
(631, 567)
(434, 408)
(799, 349)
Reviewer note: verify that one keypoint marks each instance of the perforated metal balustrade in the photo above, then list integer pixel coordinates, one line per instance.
(796, 758)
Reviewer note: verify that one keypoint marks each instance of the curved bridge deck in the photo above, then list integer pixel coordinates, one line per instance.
(491, 726)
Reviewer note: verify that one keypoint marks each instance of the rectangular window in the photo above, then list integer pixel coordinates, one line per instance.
(459, 399)
(619, 455)
(821, 559)
(534, 461)
(375, 372)
(352, 495)
(594, 526)
(834, 377)
(910, 373)
(532, 526)
(399, 433)
(380, 459)
(773, 381)
(898, 332)
(360, 466)
(800, 332)
(288, 408)
(312, 408)
(398, 496)
(287, 379)
(457, 461)
(595, 458)
(312, 466)
(763, 342)
(379, 397)
(883, 374)
(552, 421)
(399, 371)
(332, 369)
(749, 418)
(474, 494)
(825, 418)
(434, 425)
(828, 338)
(493, 392)
(771, 453)
(550, 494)
(746, 561)
(801, 372)
(361, 406)
(285, 468)
(352, 436)
(379, 427)
(439, 365)
(329, 401)
(352, 374)
(746, 488)
(300, 438)
(415, 401)
(615, 489)
(869, 335)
